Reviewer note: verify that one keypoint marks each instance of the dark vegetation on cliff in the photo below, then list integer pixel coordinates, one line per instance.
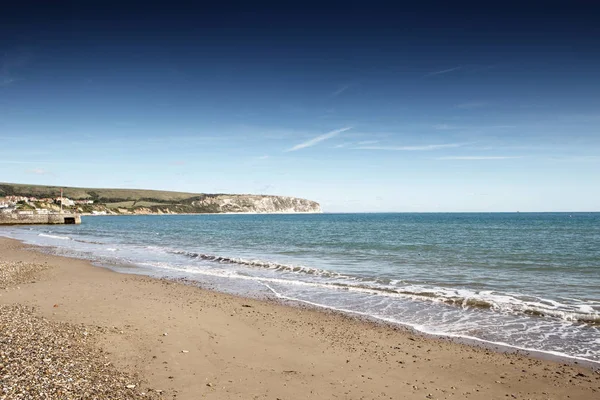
(100, 195)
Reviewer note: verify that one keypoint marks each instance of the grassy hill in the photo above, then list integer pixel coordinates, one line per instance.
(97, 194)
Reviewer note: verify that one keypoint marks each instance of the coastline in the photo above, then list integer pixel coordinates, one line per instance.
(247, 347)
(219, 213)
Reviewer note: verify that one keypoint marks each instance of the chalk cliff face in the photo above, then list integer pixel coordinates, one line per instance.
(224, 204)
(257, 204)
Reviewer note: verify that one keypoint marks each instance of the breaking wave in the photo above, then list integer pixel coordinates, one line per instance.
(464, 298)
(261, 264)
(54, 236)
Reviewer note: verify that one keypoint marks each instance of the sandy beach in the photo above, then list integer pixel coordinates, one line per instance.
(147, 337)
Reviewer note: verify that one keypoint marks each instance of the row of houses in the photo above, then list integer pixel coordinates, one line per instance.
(9, 203)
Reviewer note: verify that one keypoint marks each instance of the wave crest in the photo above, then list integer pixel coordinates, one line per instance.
(463, 298)
(54, 236)
(261, 264)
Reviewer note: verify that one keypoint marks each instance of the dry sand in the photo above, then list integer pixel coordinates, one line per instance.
(193, 343)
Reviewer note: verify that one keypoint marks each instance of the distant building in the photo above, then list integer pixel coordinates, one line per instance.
(65, 201)
(16, 199)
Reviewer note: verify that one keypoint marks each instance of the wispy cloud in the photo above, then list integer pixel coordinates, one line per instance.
(361, 143)
(444, 127)
(26, 162)
(471, 105)
(5, 81)
(318, 139)
(262, 157)
(365, 142)
(443, 71)
(466, 127)
(478, 157)
(51, 163)
(341, 145)
(574, 158)
(37, 171)
(427, 147)
(341, 90)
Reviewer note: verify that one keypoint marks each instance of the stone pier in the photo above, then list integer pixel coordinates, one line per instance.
(38, 219)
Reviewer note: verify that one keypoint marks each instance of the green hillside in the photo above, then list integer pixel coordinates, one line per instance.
(97, 194)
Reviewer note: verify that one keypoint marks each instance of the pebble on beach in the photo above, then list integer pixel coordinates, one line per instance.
(18, 273)
(43, 359)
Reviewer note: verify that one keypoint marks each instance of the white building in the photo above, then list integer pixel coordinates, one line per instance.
(65, 201)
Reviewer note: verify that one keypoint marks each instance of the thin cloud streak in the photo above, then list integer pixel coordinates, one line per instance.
(318, 139)
(428, 147)
(479, 157)
(445, 127)
(52, 163)
(444, 71)
(362, 143)
(37, 171)
(27, 162)
(471, 105)
(340, 91)
(365, 142)
(6, 81)
(341, 145)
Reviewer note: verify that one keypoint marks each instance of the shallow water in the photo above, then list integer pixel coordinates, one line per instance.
(526, 280)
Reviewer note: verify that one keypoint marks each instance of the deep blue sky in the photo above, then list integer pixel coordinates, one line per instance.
(436, 107)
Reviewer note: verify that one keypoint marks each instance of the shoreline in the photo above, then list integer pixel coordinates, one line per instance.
(222, 213)
(502, 348)
(364, 317)
(306, 337)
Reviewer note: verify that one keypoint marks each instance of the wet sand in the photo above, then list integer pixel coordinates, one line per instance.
(194, 343)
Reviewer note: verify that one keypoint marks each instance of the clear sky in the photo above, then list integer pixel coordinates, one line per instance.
(437, 107)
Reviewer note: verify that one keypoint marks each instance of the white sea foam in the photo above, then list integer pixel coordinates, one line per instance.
(424, 329)
(54, 236)
(464, 298)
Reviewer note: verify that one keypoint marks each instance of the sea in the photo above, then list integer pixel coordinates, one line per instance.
(528, 281)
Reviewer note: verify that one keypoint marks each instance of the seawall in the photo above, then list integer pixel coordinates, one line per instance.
(39, 219)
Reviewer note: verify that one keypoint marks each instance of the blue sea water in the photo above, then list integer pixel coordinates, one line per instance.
(527, 280)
